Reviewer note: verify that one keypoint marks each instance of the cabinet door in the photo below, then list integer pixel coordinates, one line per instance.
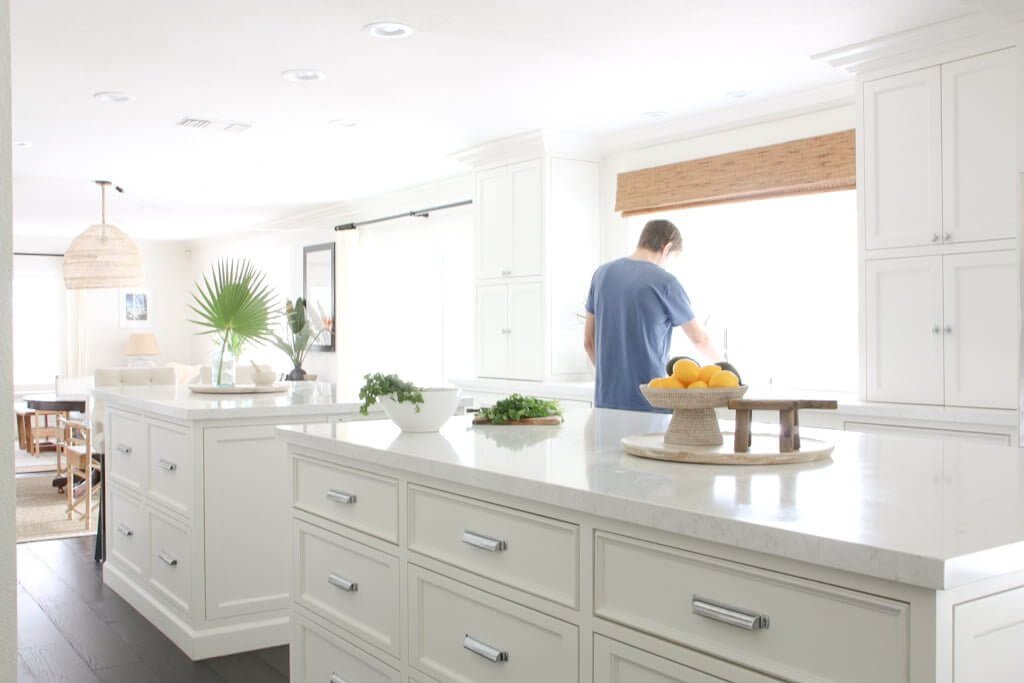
(903, 328)
(492, 330)
(902, 160)
(526, 331)
(494, 222)
(978, 166)
(615, 662)
(527, 230)
(981, 329)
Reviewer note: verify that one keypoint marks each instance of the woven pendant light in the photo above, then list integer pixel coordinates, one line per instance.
(102, 256)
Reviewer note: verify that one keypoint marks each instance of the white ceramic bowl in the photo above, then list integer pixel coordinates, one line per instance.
(438, 405)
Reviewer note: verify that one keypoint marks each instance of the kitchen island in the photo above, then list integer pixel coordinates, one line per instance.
(197, 508)
(546, 554)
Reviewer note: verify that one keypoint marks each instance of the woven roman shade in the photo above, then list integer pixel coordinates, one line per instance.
(820, 164)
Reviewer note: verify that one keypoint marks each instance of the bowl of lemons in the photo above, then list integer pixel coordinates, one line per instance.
(692, 392)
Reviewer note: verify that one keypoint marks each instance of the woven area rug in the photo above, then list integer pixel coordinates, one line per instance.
(25, 462)
(41, 511)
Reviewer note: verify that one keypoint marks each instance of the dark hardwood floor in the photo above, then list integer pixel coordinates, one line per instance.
(73, 629)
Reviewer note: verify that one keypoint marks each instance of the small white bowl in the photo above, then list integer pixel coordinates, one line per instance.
(438, 405)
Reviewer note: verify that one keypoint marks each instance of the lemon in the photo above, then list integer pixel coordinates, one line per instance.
(699, 384)
(665, 383)
(686, 371)
(724, 378)
(709, 371)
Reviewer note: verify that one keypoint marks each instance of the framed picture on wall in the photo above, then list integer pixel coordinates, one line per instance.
(318, 289)
(134, 307)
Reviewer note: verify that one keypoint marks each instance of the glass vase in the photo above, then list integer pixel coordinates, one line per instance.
(223, 368)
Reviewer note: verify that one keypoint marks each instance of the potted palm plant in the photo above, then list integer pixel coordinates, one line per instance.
(234, 304)
(300, 336)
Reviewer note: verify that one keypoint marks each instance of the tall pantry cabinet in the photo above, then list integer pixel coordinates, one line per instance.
(939, 224)
(537, 235)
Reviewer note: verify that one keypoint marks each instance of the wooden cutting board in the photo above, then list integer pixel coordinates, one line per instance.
(550, 421)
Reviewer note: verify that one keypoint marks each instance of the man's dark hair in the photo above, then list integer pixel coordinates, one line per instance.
(658, 233)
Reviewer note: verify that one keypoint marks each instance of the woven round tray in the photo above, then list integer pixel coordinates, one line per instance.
(694, 422)
(764, 450)
(239, 389)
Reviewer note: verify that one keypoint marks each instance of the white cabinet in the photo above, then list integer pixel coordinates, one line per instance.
(903, 330)
(978, 163)
(902, 159)
(510, 221)
(510, 331)
(980, 329)
(942, 329)
(985, 631)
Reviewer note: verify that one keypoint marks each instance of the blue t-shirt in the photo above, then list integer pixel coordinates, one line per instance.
(635, 305)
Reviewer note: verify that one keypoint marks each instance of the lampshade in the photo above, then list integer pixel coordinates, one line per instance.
(102, 256)
(142, 344)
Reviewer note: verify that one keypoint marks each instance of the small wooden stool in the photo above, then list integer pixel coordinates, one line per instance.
(789, 419)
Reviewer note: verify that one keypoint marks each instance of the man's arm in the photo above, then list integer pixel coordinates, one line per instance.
(699, 336)
(588, 337)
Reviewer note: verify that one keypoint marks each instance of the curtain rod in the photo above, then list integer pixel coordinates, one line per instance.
(421, 213)
(37, 253)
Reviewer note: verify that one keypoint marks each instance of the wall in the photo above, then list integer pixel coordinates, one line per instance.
(614, 236)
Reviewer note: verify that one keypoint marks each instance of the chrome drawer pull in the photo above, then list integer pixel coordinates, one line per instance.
(484, 650)
(124, 450)
(335, 678)
(168, 465)
(343, 583)
(729, 615)
(483, 542)
(341, 497)
(124, 531)
(167, 559)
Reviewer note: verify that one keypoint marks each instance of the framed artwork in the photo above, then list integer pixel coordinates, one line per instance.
(134, 307)
(318, 289)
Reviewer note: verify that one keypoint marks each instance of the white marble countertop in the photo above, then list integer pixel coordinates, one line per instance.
(924, 512)
(178, 402)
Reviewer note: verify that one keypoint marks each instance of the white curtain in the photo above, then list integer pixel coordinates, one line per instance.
(76, 361)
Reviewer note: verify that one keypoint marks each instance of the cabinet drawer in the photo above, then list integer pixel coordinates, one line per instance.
(128, 534)
(813, 631)
(318, 656)
(460, 634)
(126, 450)
(615, 662)
(363, 501)
(348, 583)
(170, 561)
(171, 472)
(532, 553)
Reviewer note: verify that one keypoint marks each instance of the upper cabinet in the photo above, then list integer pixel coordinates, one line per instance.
(510, 216)
(902, 159)
(938, 167)
(978, 162)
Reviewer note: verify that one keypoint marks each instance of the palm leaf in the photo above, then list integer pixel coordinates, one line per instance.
(234, 302)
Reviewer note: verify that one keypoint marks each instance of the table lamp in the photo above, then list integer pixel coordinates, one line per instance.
(140, 349)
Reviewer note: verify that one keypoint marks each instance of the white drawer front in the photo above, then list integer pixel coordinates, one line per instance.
(357, 499)
(127, 534)
(350, 584)
(126, 450)
(456, 634)
(615, 662)
(533, 553)
(320, 657)
(171, 475)
(814, 631)
(170, 561)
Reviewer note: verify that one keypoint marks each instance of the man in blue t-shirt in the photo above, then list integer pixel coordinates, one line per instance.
(633, 305)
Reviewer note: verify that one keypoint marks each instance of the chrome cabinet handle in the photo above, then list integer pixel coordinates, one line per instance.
(949, 329)
(484, 650)
(167, 559)
(935, 237)
(947, 237)
(124, 531)
(335, 678)
(728, 615)
(168, 465)
(493, 545)
(936, 329)
(341, 497)
(506, 273)
(124, 450)
(343, 583)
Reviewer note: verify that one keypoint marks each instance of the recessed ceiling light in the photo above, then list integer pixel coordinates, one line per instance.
(388, 29)
(113, 96)
(342, 123)
(737, 94)
(303, 75)
(22, 143)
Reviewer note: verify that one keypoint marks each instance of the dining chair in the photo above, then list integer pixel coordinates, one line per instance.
(44, 428)
(83, 470)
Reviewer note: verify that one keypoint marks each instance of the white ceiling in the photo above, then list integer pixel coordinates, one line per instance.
(474, 70)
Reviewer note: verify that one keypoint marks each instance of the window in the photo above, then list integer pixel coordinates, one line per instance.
(775, 282)
(38, 320)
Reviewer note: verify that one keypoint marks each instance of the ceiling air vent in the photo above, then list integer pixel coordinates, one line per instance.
(194, 123)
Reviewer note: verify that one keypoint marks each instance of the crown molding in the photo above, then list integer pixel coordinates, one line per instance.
(979, 30)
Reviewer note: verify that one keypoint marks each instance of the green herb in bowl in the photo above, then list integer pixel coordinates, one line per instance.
(379, 385)
(517, 407)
